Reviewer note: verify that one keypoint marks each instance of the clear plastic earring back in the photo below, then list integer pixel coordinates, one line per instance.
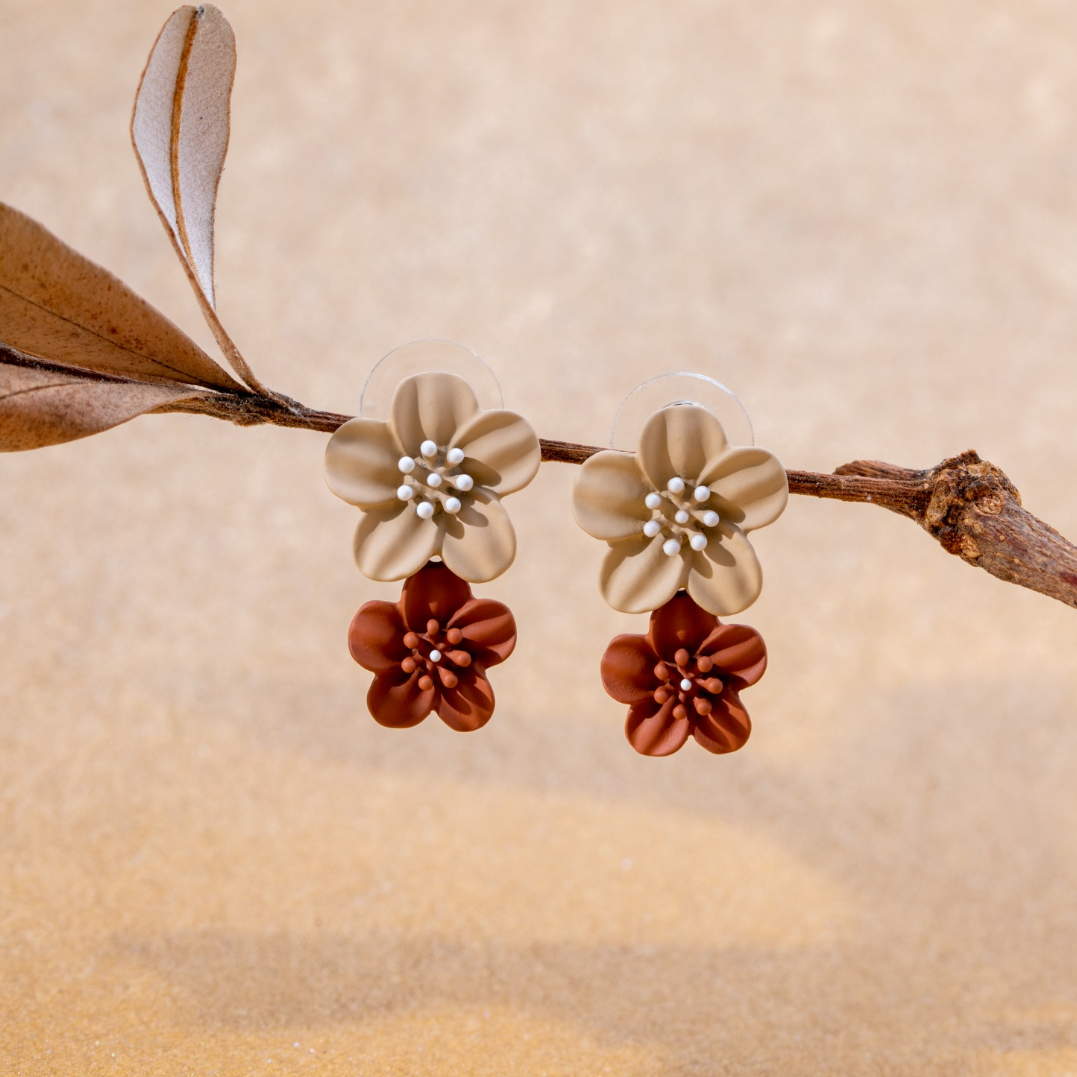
(420, 357)
(667, 390)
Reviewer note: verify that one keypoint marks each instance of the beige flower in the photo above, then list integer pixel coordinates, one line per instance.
(676, 513)
(431, 479)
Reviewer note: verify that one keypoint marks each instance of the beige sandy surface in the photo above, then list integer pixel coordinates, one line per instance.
(863, 216)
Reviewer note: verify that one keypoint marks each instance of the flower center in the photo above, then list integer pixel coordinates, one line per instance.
(434, 480)
(437, 652)
(690, 681)
(680, 514)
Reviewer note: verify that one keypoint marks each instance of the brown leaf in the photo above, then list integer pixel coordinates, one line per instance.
(180, 130)
(57, 304)
(48, 404)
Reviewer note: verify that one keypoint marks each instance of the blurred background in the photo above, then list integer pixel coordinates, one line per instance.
(860, 216)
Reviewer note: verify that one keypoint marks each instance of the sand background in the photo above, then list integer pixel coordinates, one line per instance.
(863, 217)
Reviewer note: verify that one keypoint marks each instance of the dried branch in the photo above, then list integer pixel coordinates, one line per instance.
(967, 504)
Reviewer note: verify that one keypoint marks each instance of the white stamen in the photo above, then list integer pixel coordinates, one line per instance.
(675, 485)
(682, 517)
(652, 501)
(424, 510)
(454, 457)
(462, 482)
(452, 504)
(711, 518)
(651, 528)
(701, 493)
(435, 655)
(405, 465)
(405, 492)
(686, 684)
(428, 448)
(671, 547)
(433, 479)
(698, 542)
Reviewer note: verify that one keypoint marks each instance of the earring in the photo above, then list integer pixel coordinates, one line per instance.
(429, 481)
(676, 516)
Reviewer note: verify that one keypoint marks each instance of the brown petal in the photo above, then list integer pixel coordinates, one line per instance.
(628, 669)
(479, 541)
(726, 728)
(46, 407)
(376, 637)
(433, 592)
(680, 623)
(725, 578)
(469, 705)
(489, 629)
(396, 700)
(608, 496)
(501, 450)
(55, 304)
(392, 542)
(679, 441)
(637, 577)
(652, 730)
(749, 485)
(431, 407)
(737, 651)
(361, 463)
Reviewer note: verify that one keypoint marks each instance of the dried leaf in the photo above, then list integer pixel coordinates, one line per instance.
(180, 132)
(49, 404)
(57, 304)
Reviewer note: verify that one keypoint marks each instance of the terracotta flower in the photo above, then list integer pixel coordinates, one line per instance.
(431, 479)
(684, 678)
(430, 651)
(676, 513)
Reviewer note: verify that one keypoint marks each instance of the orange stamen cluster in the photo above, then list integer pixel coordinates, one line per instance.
(689, 681)
(435, 651)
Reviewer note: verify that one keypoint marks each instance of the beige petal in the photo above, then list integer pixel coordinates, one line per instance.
(637, 576)
(502, 450)
(431, 406)
(750, 486)
(392, 542)
(725, 578)
(361, 463)
(479, 542)
(607, 497)
(679, 441)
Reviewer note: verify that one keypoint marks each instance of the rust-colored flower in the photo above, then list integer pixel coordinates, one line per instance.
(684, 678)
(430, 651)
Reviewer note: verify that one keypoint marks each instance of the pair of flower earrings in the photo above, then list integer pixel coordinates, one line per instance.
(429, 479)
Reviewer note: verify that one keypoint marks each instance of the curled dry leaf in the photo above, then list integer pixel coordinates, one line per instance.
(180, 130)
(46, 404)
(58, 305)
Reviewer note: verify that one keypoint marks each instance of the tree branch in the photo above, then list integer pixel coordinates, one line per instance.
(967, 504)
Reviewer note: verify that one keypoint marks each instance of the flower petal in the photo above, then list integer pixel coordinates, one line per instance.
(652, 730)
(637, 577)
(749, 485)
(376, 637)
(501, 450)
(397, 701)
(469, 705)
(628, 669)
(479, 542)
(431, 407)
(392, 542)
(738, 651)
(680, 440)
(489, 630)
(361, 463)
(680, 623)
(607, 497)
(433, 592)
(725, 578)
(726, 728)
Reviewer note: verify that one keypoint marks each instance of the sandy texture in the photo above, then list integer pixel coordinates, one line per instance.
(863, 216)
